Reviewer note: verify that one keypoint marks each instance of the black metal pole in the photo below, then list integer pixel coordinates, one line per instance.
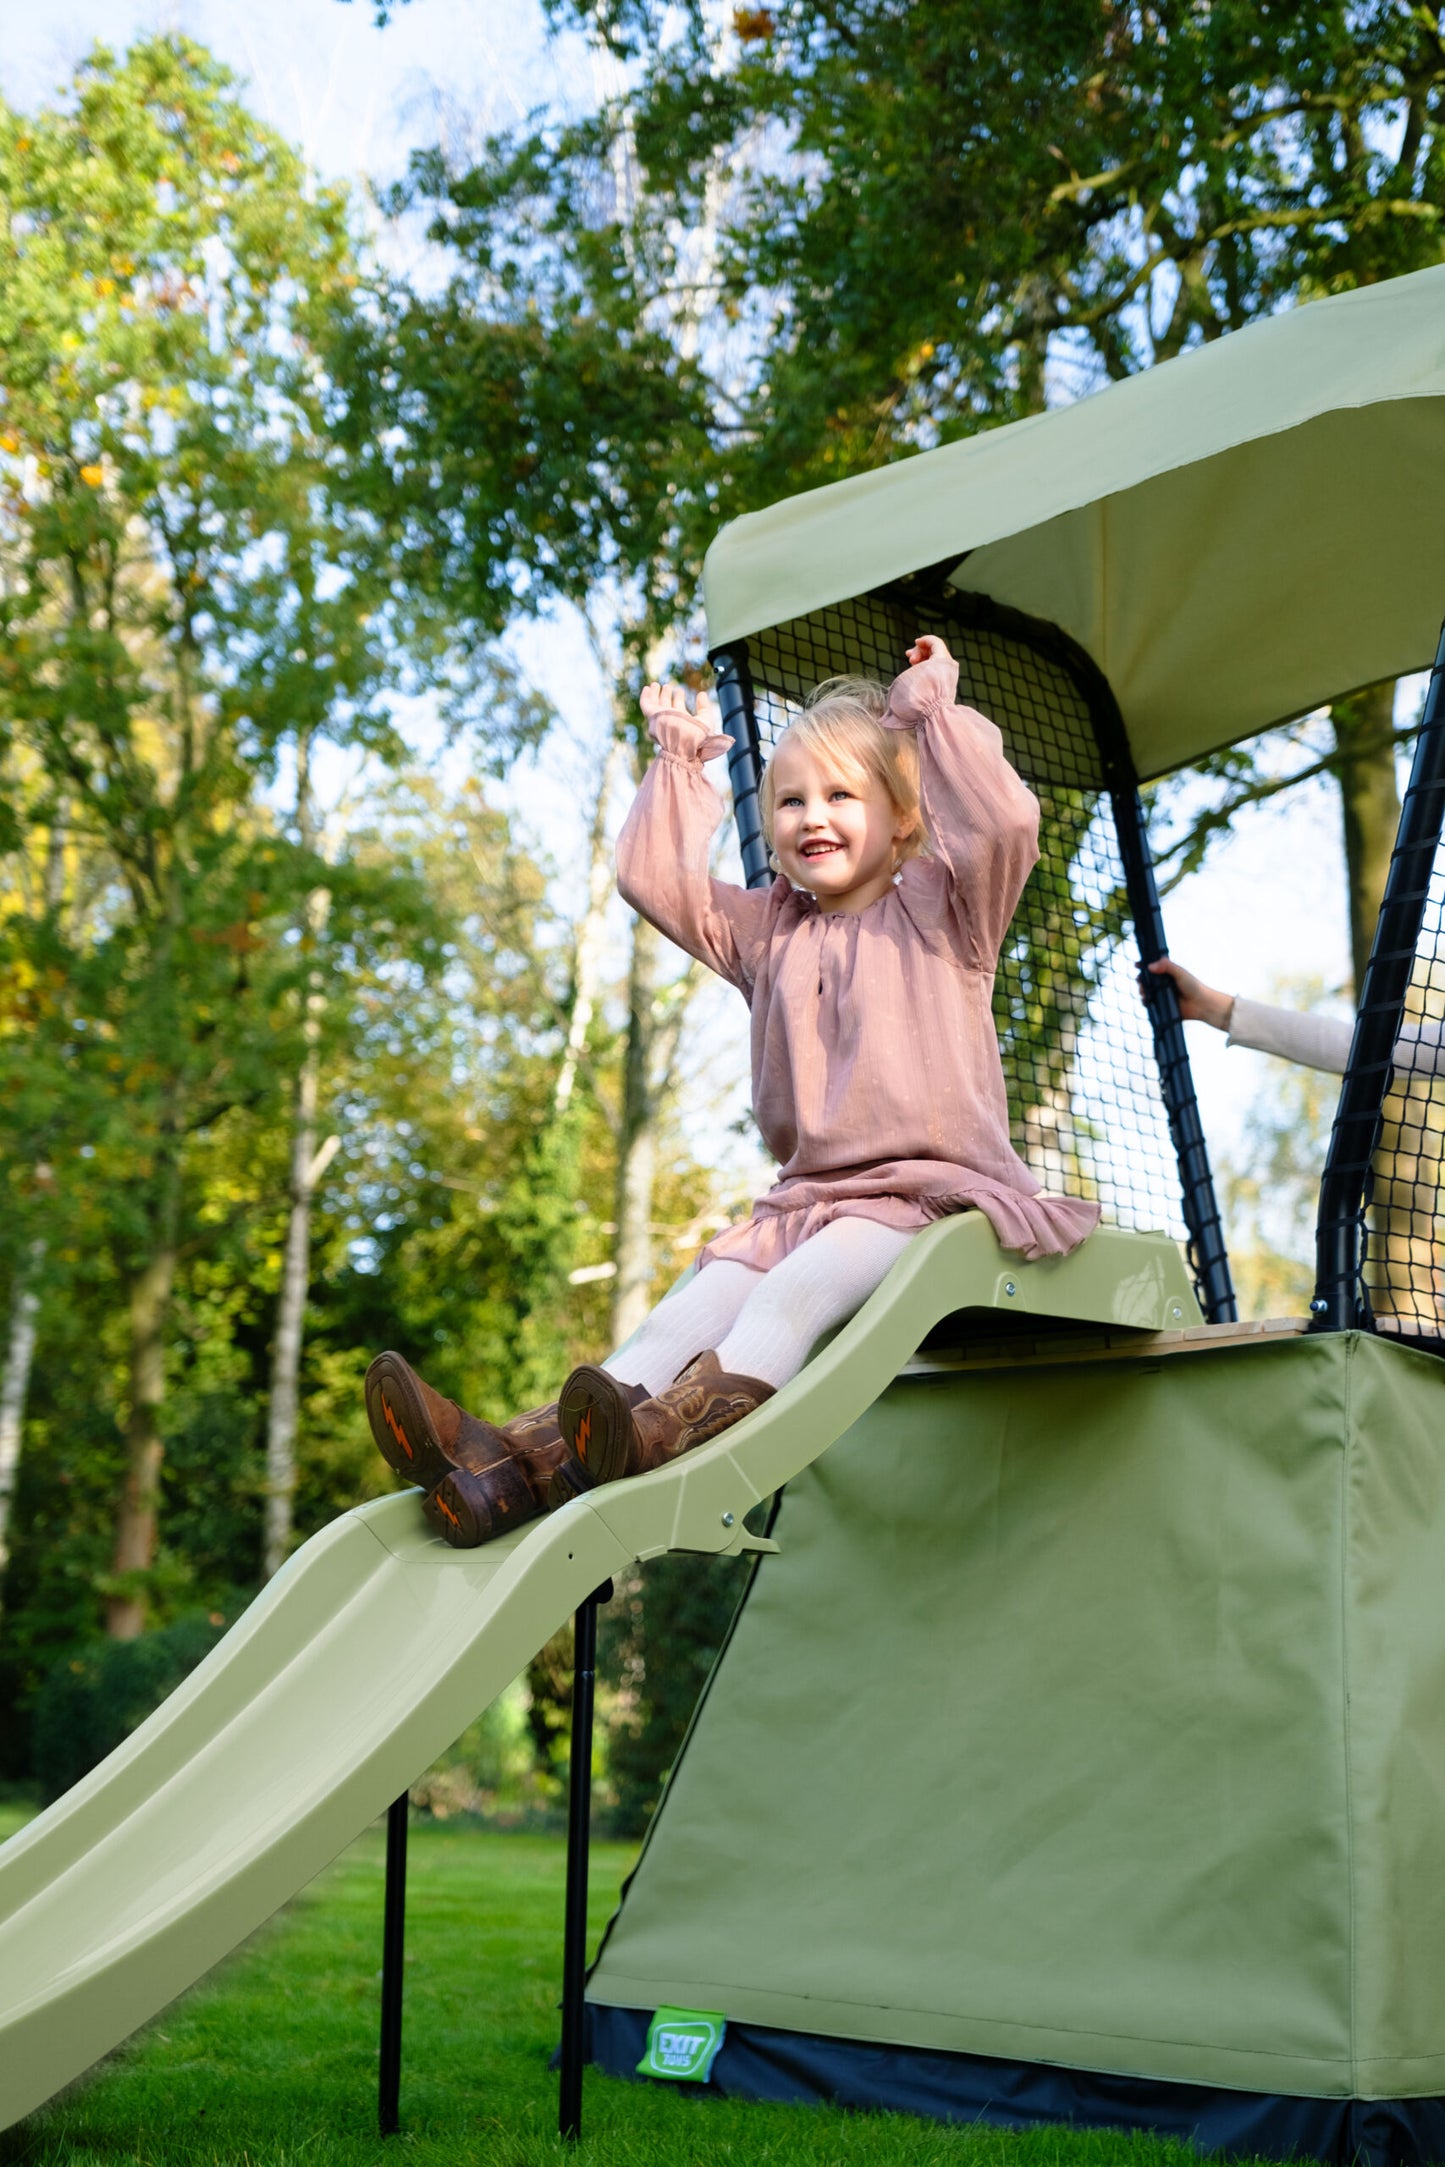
(745, 767)
(1340, 1301)
(393, 1945)
(1176, 1079)
(579, 1823)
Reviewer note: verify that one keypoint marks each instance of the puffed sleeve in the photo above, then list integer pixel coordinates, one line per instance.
(663, 856)
(982, 819)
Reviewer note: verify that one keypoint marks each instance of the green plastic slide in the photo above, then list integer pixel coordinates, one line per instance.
(376, 1646)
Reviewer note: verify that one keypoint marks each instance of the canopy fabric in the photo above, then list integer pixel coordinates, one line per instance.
(1235, 537)
(1090, 1714)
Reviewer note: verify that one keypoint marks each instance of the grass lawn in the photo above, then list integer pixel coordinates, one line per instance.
(271, 2062)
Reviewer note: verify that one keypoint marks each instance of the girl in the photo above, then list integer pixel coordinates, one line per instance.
(902, 839)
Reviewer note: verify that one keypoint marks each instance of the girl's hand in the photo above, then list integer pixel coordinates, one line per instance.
(1198, 1003)
(930, 682)
(671, 701)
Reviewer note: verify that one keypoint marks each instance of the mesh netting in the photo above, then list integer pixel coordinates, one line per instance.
(1078, 1054)
(1401, 1249)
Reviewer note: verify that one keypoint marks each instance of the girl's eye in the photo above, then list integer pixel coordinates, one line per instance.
(840, 792)
(792, 800)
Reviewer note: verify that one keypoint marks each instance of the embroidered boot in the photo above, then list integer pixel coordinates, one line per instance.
(613, 1435)
(424, 1436)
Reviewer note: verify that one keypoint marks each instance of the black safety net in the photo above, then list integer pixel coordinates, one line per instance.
(1380, 1227)
(1400, 1251)
(1078, 1055)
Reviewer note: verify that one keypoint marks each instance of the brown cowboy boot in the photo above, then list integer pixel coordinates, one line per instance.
(613, 1435)
(424, 1436)
(471, 1505)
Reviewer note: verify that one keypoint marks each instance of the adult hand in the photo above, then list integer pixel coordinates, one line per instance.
(1198, 1003)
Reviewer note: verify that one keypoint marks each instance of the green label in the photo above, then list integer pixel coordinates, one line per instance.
(683, 2043)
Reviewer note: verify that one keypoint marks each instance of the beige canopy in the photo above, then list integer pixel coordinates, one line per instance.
(1235, 536)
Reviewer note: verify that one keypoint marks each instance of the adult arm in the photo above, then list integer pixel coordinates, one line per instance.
(1290, 1034)
(1321, 1042)
(664, 850)
(981, 817)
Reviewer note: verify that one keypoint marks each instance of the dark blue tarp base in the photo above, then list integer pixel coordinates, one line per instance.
(797, 2067)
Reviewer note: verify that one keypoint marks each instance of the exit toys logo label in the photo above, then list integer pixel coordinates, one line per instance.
(683, 2044)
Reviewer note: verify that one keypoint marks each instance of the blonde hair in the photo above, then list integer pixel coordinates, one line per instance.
(842, 722)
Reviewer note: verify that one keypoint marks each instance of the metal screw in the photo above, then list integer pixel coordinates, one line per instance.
(1009, 1287)
(1318, 1306)
(1175, 1310)
(727, 1519)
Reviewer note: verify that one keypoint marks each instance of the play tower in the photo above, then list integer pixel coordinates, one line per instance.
(1081, 1755)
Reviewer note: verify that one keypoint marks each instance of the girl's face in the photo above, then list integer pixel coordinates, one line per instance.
(834, 831)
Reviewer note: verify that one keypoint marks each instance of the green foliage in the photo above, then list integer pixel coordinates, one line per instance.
(167, 549)
(840, 233)
(657, 1642)
(94, 1699)
(194, 593)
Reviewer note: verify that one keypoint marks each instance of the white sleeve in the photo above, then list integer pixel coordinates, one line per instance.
(1324, 1042)
(1420, 1050)
(1313, 1041)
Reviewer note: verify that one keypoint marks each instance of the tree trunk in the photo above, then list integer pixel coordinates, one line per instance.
(15, 1385)
(135, 1535)
(637, 1142)
(587, 957)
(1370, 803)
(307, 1165)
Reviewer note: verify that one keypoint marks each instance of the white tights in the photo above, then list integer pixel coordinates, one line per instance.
(763, 1324)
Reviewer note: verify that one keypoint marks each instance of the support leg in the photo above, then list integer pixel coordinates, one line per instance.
(579, 1816)
(393, 1941)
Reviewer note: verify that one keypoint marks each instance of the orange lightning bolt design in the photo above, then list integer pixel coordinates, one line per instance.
(445, 1510)
(584, 1433)
(395, 1427)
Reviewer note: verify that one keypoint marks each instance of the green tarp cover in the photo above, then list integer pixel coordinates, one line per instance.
(1092, 1714)
(1233, 536)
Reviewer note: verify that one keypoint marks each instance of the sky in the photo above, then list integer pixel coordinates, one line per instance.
(1268, 911)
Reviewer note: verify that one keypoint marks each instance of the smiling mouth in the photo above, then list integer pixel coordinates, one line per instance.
(818, 850)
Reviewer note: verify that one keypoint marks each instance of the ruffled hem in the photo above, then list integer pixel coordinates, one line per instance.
(1041, 1225)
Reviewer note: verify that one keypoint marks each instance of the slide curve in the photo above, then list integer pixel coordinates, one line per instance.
(376, 1646)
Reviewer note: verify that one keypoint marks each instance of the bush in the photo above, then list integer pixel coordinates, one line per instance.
(92, 1701)
(658, 1640)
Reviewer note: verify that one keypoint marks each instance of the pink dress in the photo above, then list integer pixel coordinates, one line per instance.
(876, 1076)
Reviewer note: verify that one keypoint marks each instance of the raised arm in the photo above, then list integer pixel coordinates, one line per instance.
(664, 849)
(982, 819)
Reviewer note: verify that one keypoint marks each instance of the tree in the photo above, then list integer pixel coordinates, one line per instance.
(926, 221)
(167, 277)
